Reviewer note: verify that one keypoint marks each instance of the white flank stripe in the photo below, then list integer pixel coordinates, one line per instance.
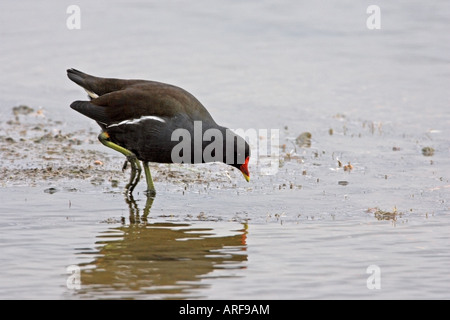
(134, 121)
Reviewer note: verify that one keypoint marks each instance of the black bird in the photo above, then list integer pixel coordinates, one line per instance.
(156, 122)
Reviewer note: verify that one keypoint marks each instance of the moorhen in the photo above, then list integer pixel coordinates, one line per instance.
(145, 120)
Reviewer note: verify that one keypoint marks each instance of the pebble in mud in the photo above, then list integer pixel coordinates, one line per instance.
(51, 190)
(7, 139)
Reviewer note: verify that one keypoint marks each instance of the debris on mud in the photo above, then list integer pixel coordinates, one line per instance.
(385, 215)
(304, 140)
(427, 151)
(348, 167)
(22, 109)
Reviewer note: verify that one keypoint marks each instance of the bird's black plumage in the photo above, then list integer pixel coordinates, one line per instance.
(142, 116)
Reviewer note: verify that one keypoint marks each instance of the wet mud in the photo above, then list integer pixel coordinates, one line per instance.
(363, 163)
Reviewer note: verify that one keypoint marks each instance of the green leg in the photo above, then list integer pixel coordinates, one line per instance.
(151, 191)
(131, 157)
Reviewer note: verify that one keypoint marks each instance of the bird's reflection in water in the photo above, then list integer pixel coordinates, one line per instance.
(135, 216)
(161, 259)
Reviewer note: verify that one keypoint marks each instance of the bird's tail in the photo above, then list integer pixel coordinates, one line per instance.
(87, 82)
(96, 86)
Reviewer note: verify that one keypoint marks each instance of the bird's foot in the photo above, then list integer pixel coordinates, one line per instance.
(136, 171)
(125, 165)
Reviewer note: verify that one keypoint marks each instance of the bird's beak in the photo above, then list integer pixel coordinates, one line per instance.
(244, 169)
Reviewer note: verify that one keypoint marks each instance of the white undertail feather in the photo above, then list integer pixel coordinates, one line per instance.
(91, 94)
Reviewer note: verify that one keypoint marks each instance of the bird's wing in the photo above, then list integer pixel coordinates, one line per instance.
(116, 100)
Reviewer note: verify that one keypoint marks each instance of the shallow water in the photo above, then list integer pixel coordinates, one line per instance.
(362, 194)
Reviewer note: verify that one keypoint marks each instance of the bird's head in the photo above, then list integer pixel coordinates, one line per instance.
(244, 169)
(241, 156)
